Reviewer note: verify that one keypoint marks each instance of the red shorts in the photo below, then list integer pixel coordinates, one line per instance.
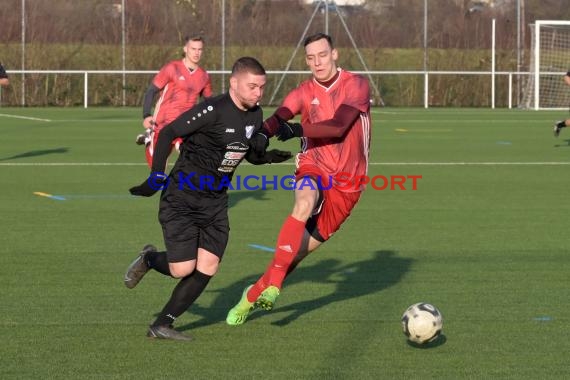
(333, 207)
(154, 139)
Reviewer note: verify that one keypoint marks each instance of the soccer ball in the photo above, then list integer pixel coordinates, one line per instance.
(422, 323)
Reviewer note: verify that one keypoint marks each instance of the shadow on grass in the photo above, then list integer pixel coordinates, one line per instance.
(36, 153)
(352, 280)
(567, 145)
(439, 341)
(237, 196)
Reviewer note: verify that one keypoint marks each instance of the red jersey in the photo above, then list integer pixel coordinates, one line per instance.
(180, 90)
(347, 154)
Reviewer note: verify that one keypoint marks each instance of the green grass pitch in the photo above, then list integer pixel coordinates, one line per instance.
(484, 237)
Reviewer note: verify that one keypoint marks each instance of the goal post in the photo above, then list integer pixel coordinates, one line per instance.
(549, 62)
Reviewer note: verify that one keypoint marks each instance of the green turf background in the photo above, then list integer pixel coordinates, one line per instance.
(484, 238)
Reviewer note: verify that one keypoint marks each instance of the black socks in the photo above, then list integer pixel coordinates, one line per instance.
(158, 262)
(185, 293)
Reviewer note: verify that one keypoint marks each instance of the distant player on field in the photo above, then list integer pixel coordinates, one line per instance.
(335, 128)
(562, 123)
(180, 84)
(4, 81)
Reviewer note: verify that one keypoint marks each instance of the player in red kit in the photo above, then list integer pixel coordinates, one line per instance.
(335, 130)
(180, 84)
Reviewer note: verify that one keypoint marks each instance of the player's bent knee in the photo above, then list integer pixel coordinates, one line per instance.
(210, 269)
(208, 265)
(313, 244)
(303, 208)
(208, 262)
(182, 269)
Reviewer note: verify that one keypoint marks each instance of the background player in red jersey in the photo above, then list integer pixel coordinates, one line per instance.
(335, 128)
(180, 84)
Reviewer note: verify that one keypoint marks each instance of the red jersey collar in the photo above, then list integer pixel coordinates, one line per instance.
(329, 83)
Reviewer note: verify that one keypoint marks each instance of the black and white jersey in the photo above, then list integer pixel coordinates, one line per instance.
(216, 139)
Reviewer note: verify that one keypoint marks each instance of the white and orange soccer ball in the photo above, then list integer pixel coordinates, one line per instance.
(422, 323)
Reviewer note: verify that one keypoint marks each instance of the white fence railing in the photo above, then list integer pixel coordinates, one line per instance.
(492, 76)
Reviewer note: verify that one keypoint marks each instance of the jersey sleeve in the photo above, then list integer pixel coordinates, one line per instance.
(271, 124)
(207, 91)
(187, 123)
(162, 78)
(342, 121)
(291, 106)
(358, 93)
(294, 101)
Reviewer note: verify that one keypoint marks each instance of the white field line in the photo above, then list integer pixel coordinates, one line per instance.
(462, 121)
(490, 163)
(381, 121)
(23, 117)
(95, 120)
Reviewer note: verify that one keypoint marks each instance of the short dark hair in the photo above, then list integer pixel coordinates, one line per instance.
(318, 36)
(193, 38)
(249, 65)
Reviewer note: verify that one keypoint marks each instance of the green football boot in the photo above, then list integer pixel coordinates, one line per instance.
(239, 313)
(266, 299)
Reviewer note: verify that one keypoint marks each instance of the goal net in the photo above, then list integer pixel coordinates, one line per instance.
(549, 62)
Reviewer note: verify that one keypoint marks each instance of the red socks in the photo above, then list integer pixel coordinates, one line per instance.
(288, 245)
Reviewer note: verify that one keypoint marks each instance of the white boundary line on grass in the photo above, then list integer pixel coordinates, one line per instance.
(545, 163)
(23, 117)
(73, 164)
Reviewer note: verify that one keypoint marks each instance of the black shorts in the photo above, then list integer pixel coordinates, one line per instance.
(191, 221)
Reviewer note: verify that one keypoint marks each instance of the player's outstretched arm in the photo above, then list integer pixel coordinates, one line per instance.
(148, 98)
(287, 130)
(271, 124)
(182, 126)
(272, 156)
(156, 181)
(185, 124)
(259, 142)
(343, 119)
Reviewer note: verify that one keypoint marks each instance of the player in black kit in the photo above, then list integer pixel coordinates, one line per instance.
(218, 134)
(562, 123)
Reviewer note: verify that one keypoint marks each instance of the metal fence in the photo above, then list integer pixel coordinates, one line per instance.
(494, 96)
(415, 52)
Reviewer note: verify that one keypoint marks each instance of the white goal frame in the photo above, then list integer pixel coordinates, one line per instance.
(536, 64)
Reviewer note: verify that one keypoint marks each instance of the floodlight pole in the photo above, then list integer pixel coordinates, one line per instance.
(426, 78)
(425, 35)
(374, 87)
(223, 45)
(23, 52)
(123, 54)
(520, 47)
(493, 63)
(326, 16)
(518, 50)
(294, 53)
(360, 57)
